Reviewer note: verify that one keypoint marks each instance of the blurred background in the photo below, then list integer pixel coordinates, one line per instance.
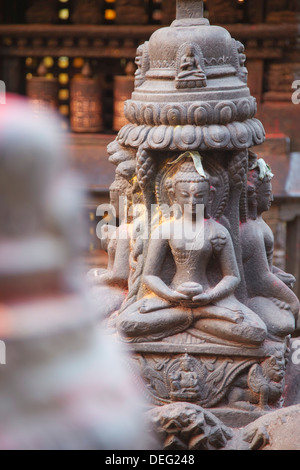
(78, 57)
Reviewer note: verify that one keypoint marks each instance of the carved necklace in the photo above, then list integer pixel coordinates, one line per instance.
(180, 254)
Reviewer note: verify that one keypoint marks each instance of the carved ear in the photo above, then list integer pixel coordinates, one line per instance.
(212, 194)
(171, 193)
(250, 190)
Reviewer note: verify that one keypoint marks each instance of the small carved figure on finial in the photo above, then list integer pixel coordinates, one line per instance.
(243, 71)
(142, 63)
(191, 74)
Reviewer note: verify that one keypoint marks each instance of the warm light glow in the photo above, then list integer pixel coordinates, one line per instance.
(78, 62)
(29, 61)
(63, 94)
(63, 78)
(63, 62)
(64, 14)
(7, 41)
(49, 62)
(64, 109)
(110, 14)
(156, 15)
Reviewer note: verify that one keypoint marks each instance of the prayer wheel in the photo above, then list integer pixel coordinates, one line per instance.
(86, 104)
(123, 88)
(42, 90)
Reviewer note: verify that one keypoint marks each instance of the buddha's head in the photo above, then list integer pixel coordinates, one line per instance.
(121, 190)
(264, 196)
(260, 193)
(188, 189)
(186, 364)
(139, 59)
(189, 52)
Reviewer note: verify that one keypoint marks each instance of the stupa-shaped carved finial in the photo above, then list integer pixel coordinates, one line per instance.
(189, 9)
(189, 13)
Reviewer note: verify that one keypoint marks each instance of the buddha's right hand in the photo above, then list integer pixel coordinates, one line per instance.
(158, 287)
(156, 303)
(174, 296)
(178, 296)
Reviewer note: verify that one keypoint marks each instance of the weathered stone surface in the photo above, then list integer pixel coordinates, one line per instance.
(206, 313)
(182, 426)
(278, 430)
(292, 389)
(59, 374)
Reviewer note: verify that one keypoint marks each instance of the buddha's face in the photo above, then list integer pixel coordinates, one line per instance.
(189, 58)
(190, 195)
(139, 57)
(115, 201)
(186, 366)
(264, 196)
(189, 52)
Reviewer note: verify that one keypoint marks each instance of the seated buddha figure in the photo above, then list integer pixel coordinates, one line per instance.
(268, 288)
(185, 381)
(108, 287)
(186, 299)
(190, 66)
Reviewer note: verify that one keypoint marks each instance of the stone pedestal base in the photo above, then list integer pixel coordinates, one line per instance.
(236, 418)
(237, 384)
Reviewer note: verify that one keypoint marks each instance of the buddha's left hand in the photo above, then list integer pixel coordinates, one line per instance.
(288, 279)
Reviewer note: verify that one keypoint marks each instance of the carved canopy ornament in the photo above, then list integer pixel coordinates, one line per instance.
(191, 89)
(236, 135)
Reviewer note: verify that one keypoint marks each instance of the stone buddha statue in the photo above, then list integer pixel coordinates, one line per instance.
(111, 284)
(188, 301)
(269, 294)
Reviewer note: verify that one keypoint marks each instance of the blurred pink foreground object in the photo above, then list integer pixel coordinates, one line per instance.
(64, 385)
